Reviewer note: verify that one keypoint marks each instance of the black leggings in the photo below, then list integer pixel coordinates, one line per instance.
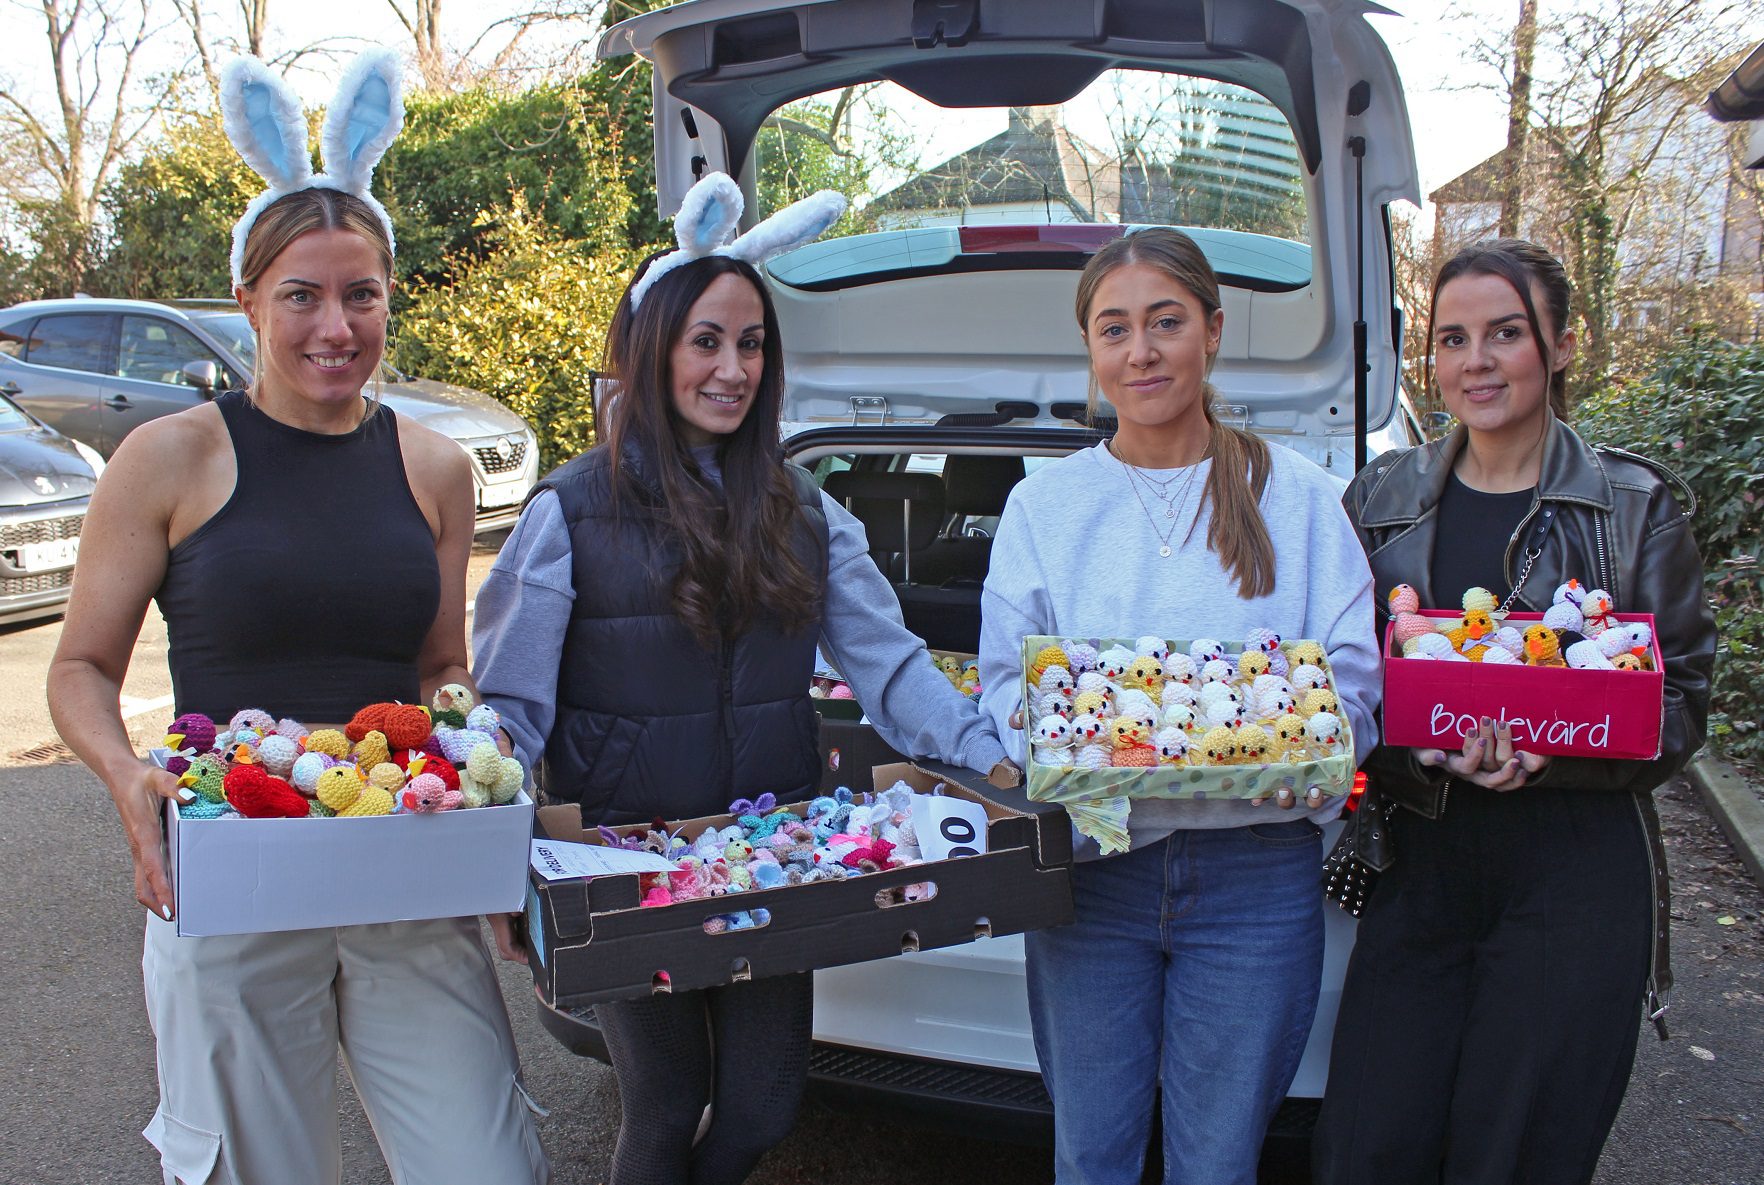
(1494, 996)
(743, 1049)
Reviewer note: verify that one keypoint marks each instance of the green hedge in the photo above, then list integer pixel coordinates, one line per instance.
(1699, 414)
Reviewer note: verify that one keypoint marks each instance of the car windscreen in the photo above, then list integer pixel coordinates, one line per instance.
(11, 418)
(234, 332)
(1134, 148)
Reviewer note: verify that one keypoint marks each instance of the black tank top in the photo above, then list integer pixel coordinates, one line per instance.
(310, 592)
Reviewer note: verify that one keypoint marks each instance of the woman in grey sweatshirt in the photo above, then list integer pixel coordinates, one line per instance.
(1194, 961)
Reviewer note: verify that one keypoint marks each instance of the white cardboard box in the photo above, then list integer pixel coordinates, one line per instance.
(250, 876)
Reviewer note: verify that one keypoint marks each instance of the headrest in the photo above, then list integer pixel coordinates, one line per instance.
(979, 485)
(900, 511)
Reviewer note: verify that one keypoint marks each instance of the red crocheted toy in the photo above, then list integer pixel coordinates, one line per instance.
(406, 726)
(257, 794)
(370, 719)
(877, 855)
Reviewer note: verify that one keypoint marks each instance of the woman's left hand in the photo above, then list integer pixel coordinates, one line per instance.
(1286, 799)
(509, 946)
(1489, 759)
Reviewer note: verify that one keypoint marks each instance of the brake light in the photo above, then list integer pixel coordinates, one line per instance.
(1087, 238)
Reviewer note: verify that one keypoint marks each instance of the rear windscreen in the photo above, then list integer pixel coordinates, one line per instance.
(1134, 148)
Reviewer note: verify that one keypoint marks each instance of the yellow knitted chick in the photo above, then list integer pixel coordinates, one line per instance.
(1050, 656)
(1480, 599)
(329, 741)
(1300, 653)
(372, 749)
(1094, 702)
(338, 787)
(1319, 699)
(1253, 743)
(511, 777)
(951, 668)
(1250, 664)
(1467, 635)
(1145, 674)
(1218, 747)
(387, 777)
(373, 801)
(1289, 737)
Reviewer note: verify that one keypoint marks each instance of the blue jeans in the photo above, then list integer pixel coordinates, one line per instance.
(1193, 966)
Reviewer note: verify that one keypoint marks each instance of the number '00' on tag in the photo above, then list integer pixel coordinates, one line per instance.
(949, 827)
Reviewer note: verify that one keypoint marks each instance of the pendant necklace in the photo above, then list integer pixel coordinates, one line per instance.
(1160, 491)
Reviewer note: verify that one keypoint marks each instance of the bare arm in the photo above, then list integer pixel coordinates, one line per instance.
(123, 557)
(441, 478)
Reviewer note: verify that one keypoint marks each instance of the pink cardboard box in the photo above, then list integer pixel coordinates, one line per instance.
(1430, 704)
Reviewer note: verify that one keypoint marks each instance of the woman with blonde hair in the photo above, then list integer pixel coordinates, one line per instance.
(1194, 961)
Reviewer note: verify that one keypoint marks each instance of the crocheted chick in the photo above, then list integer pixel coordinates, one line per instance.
(207, 777)
(1087, 729)
(257, 794)
(1051, 703)
(1323, 733)
(1306, 677)
(427, 794)
(371, 749)
(1052, 741)
(373, 801)
(1585, 655)
(1056, 680)
(1080, 656)
(452, 697)
(366, 720)
(1097, 682)
(1219, 705)
(1507, 638)
(339, 787)
(500, 777)
(1467, 635)
(1598, 611)
(1436, 646)
(1270, 695)
(1135, 703)
(1268, 643)
(457, 743)
(1320, 699)
(1479, 599)
(306, 771)
(1253, 743)
(1047, 656)
(1179, 668)
(1626, 662)
(1289, 737)
(1129, 738)
(1542, 647)
(1404, 599)
(1177, 716)
(1216, 670)
(1205, 650)
(952, 667)
(1219, 746)
(1307, 651)
(191, 731)
(1571, 593)
(1172, 746)
(1145, 674)
(1096, 756)
(1250, 665)
(1113, 662)
(1090, 703)
(329, 741)
(387, 776)
(277, 754)
(1176, 692)
(1565, 617)
(256, 719)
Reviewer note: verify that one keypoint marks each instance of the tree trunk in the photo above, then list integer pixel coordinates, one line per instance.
(1518, 120)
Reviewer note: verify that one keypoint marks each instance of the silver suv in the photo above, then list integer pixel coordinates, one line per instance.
(94, 369)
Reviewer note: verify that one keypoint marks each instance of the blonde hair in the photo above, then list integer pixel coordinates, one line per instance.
(1241, 462)
(301, 212)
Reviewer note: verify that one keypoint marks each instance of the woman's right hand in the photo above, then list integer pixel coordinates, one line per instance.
(139, 802)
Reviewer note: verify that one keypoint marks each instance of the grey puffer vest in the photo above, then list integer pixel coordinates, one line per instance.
(649, 721)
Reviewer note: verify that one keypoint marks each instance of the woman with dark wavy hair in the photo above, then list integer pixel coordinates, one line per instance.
(649, 635)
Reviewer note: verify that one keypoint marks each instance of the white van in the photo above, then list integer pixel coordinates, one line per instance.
(990, 146)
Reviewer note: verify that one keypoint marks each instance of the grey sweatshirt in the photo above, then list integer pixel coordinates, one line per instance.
(1076, 555)
(523, 609)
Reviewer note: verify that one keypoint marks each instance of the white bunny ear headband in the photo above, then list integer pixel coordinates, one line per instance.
(710, 213)
(265, 123)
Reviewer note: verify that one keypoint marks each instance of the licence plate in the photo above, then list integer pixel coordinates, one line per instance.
(502, 494)
(44, 557)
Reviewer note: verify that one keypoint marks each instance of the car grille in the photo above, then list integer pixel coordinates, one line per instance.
(42, 530)
(491, 463)
(12, 586)
(969, 1083)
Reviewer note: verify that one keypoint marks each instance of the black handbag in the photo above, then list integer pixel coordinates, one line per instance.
(1362, 851)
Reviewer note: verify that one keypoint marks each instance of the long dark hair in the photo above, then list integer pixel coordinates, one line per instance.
(738, 561)
(1519, 263)
(1241, 462)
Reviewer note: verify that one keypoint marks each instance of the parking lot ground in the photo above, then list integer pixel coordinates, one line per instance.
(79, 1058)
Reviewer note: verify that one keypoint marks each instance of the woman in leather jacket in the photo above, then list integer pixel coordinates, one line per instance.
(1490, 1014)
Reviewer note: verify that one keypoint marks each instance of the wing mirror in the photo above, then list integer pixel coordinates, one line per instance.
(204, 376)
(1437, 423)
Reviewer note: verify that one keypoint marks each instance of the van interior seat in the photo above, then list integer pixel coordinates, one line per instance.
(902, 515)
(974, 487)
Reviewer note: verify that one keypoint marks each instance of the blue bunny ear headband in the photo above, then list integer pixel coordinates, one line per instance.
(709, 214)
(265, 123)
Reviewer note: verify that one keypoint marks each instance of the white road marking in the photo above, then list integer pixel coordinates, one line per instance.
(134, 705)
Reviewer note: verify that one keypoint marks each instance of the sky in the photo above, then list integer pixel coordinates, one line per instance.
(1456, 122)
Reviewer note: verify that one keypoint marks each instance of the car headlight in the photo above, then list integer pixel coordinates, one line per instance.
(90, 456)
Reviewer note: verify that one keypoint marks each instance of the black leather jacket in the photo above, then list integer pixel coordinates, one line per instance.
(1620, 523)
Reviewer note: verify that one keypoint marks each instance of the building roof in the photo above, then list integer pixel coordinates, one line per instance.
(1035, 159)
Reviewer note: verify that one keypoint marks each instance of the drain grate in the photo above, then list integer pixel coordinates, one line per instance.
(47, 754)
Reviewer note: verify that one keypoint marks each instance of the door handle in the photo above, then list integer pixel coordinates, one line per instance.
(119, 402)
(11, 389)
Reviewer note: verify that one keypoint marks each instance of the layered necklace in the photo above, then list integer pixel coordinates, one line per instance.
(1139, 481)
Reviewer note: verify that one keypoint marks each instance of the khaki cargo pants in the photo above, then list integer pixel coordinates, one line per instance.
(248, 1028)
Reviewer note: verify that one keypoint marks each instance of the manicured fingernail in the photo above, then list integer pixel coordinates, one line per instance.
(186, 797)
(166, 910)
